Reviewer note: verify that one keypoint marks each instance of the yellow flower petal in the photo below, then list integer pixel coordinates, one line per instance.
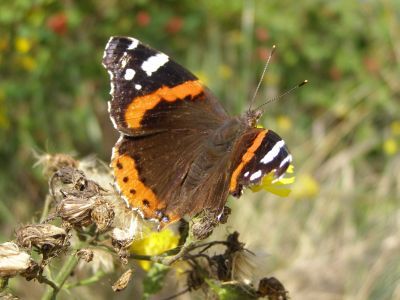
(154, 243)
(276, 186)
(305, 187)
(390, 146)
(22, 45)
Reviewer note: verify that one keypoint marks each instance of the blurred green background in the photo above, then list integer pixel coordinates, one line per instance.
(337, 235)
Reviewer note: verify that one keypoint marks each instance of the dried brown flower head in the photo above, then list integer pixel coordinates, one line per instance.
(76, 210)
(123, 281)
(48, 239)
(102, 214)
(205, 223)
(12, 260)
(85, 254)
(52, 163)
(272, 288)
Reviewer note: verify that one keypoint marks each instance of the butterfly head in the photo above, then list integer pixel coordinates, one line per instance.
(252, 116)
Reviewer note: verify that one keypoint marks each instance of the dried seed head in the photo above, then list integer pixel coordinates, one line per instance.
(102, 214)
(52, 163)
(76, 210)
(123, 237)
(272, 288)
(12, 260)
(70, 175)
(7, 296)
(203, 225)
(123, 281)
(85, 254)
(49, 239)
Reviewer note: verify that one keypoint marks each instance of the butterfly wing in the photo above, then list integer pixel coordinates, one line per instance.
(266, 153)
(165, 116)
(151, 92)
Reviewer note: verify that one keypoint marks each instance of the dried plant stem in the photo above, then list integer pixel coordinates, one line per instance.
(62, 276)
(46, 208)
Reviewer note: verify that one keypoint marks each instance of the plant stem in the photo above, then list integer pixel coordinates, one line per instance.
(61, 277)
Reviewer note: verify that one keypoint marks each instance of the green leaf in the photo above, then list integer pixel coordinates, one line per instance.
(154, 280)
(232, 291)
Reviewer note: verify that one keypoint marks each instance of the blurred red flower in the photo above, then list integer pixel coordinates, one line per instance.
(58, 23)
(174, 25)
(262, 34)
(335, 73)
(263, 53)
(371, 64)
(143, 18)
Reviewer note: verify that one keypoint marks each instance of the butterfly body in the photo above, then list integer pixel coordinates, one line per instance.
(179, 152)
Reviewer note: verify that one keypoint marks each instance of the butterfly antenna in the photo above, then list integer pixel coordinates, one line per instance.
(262, 76)
(284, 94)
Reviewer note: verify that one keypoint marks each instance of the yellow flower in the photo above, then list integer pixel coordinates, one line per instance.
(276, 186)
(27, 62)
(22, 45)
(154, 243)
(305, 187)
(390, 146)
(284, 123)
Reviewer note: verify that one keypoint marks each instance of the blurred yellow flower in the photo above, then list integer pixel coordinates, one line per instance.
(225, 71)
(395, 127)
(390, 146)
(284, 123)
(22, 45)
(27, 62)
(305, 187)
(276, 186)
(154, 243)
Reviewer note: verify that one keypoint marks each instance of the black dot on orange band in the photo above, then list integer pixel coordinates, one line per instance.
(146, 202)
(119, 165)
(132, 191)
(125, 179)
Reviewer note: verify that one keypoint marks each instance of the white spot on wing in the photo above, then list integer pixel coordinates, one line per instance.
(138, 86)
(124, 60)
(287, 159)
(273, 152)
(134, 44)
(129, 74)
(246, 174)
(255, 175)
(153, 63)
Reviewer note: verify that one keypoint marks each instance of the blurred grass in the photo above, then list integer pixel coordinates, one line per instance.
(337, 236)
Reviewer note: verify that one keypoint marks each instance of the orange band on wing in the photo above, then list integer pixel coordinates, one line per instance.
(132, 188)
(136, 110)
(245, 159)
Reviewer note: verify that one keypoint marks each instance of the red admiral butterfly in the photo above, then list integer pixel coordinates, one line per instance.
(179, 152)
